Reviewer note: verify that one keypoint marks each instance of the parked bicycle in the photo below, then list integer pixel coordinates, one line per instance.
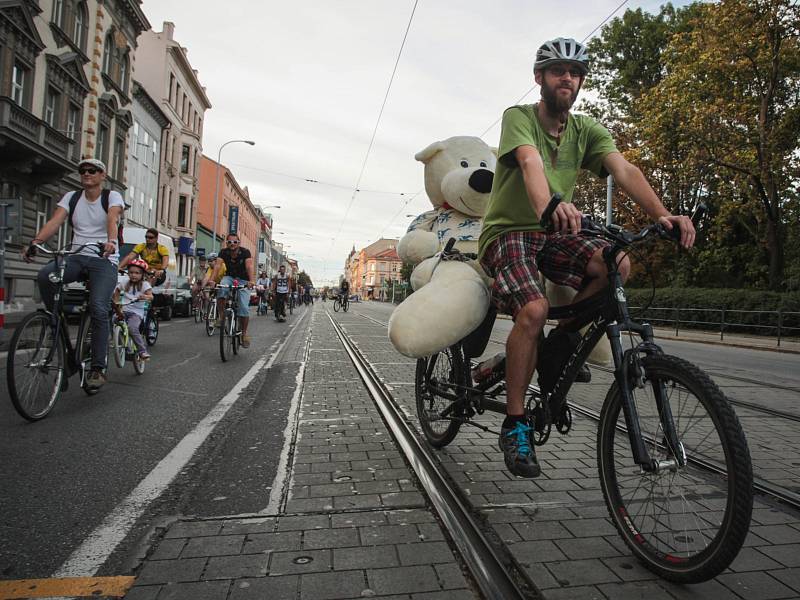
(230, 332)
(674, 464)
(41, 357)
(342, 302)
(123, 346)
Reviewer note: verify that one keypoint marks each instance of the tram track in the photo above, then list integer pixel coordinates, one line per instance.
(498, 577)
(780, 493)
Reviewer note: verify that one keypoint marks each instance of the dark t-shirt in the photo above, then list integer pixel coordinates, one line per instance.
(235, 267)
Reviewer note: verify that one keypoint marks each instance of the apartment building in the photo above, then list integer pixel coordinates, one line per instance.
(66, 68)
(168, 77)
(371, 270)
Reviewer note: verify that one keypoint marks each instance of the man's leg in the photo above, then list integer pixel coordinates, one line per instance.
(521, 348)
(102, 280)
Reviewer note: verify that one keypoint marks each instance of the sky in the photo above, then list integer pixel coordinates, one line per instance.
(307, 80)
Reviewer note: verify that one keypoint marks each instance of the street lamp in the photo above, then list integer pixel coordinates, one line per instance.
(216, 191)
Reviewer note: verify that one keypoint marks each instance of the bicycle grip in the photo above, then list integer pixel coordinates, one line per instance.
(544, 220)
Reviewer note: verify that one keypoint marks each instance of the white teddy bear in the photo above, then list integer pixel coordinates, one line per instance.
(450, 299)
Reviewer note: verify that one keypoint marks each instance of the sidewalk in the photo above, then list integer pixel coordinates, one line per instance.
(350, 521)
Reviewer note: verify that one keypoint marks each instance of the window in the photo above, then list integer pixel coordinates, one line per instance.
(58, 12)
(124, 66)
(185, 159)
(80, 25)
(101, 151)
(51, 102)
(18, 83)
(177, 95)
(143, 148)
(119, 158)
(182, 211)
(42, 210)
(154, 156)
(171, 87)
(73, 121)
(108, 53)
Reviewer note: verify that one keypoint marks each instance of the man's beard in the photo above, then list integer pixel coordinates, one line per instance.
(556, 104)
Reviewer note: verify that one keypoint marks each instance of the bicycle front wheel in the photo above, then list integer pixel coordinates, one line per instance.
(198, 309)
(211, 316)
(84, 345)
(225, 336)
(35, 367)
(119, 344)
(336, 305)
(151, 329)
(345, 305)
(439, 386)
(685, 523)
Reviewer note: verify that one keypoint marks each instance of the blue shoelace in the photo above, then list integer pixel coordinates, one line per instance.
(521, 433)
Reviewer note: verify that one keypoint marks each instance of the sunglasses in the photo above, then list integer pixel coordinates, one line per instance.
(149, 237)
(561, 71)
(233, 242)
(89, 171)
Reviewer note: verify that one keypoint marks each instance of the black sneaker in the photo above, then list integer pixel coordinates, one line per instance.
(96, 379)
(518, 451)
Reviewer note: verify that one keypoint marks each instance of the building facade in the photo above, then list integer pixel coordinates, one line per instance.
(168, 77)
(264, 257)
(66, 68)
(235, 211)
(144, 159)
(371, 270)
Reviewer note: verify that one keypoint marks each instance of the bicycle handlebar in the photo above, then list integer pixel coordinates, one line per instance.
(64, 252)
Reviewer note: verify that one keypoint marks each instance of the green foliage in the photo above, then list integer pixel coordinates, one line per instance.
(304, 280)
(405, 271)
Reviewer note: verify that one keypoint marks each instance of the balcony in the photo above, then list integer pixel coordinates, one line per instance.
(31, 144)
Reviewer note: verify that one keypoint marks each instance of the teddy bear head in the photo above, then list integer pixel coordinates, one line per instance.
(459, 173)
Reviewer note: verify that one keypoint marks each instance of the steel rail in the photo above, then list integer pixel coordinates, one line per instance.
(490, 573)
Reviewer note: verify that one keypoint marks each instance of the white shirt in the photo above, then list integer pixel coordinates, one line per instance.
(282, 285)
(136, 306)
(90, 222)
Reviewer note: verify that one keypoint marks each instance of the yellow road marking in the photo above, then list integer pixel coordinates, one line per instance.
(116, 587)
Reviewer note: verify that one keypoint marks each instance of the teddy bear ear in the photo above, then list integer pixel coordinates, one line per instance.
(428, 153)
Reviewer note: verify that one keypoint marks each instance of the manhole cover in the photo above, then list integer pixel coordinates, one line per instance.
(302, 560)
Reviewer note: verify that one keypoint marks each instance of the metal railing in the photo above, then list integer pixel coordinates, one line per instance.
(766, 323)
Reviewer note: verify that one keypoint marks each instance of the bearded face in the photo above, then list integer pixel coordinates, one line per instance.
(558, 93)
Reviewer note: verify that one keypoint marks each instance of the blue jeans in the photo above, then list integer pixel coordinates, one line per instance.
(244, 296)
(102, 275)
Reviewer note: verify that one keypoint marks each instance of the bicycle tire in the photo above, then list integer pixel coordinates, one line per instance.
(336, 305)
(225, 339)
(35, 333)
(151, 329)
(119, 345)
(84, 347)
(440, 431)
(210, 317)
(236, 336)
(663, 541)
(138, 363)
(197, 310)
(345, 305)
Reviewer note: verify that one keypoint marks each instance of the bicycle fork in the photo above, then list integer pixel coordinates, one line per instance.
(627, 372)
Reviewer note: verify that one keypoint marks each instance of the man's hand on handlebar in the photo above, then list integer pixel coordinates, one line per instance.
(566, 218)
(685, 225)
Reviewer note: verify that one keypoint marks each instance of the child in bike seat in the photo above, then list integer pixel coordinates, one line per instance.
(130, 296)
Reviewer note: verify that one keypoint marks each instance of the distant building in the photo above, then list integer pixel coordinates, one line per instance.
(65, 93)
(264, 241)
(168, 77)
(371, 269)
(144, 159)
(235, 211)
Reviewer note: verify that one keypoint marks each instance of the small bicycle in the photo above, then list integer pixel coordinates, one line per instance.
(230, 332)
(674, 465)
(41, 357)
(123, 346)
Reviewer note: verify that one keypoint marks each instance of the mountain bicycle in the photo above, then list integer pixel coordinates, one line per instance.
(342, 302)
(41, 357)
(230, 332)
(123, 346)
(674, 465)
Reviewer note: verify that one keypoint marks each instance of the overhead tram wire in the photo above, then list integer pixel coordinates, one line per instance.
(377, 124)
(488, 129)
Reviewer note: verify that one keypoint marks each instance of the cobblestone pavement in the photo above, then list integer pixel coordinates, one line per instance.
(557, 526)
(350, 522)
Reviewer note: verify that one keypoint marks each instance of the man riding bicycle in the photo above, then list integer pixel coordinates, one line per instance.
(198, 275)
(154, 254)
(281, 287)
(91, 222)
(344, 290)
(238, 265)
(542, 148)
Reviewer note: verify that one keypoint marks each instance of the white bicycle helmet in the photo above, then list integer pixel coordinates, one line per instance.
(211, 256)
(562, 50)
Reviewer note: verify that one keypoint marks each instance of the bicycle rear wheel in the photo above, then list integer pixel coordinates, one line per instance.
(119, 345)
(439, 384)
(225, 336)
(345, 305)
(198, 307)
(688, 523)
(151, 329)
(84, 345)
(35, 367)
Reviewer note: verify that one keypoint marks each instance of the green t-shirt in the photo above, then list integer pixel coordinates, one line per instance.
(584, 144)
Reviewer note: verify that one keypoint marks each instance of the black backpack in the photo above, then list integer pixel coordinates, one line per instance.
(104, 196)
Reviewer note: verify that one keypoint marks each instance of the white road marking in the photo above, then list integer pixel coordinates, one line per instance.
(100, 543)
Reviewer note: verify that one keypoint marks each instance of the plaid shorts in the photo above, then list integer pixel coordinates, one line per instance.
(515, 260)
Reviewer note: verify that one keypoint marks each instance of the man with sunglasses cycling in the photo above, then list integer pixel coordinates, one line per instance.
(154, 254)
(238, 263)
(542, 148)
